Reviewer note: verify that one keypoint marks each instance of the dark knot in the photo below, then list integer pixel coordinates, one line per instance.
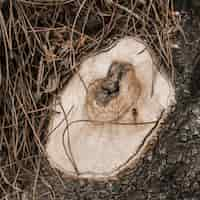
(110, 87)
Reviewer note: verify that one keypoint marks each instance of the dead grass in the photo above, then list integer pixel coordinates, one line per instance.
(42, 43)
